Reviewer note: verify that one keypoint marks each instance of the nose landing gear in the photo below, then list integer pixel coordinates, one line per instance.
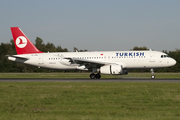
(152, 74)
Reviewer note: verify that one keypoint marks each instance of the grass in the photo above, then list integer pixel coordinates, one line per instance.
(89, 101)
(86, 75)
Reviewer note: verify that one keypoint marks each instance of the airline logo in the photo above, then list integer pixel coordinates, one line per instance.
(130, 54)
(21, 42)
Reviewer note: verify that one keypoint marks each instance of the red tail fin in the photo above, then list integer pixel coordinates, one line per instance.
(22, 43)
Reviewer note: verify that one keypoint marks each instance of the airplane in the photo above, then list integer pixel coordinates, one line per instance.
(102, 62)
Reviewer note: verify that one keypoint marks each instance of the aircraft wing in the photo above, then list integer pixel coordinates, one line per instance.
(87, 63)
(91, 63)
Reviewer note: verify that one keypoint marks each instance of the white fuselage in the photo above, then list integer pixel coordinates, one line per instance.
(128, 59)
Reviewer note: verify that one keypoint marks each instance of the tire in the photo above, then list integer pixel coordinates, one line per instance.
(92, 76)
(98, 76)
(152, 77)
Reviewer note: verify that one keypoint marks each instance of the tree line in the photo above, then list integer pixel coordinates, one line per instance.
(10, 66)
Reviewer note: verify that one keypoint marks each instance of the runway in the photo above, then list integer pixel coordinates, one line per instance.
(86, 80)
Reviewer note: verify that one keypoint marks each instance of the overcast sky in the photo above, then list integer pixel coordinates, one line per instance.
(95, 25)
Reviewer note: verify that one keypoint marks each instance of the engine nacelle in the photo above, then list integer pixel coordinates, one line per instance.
(113, 69)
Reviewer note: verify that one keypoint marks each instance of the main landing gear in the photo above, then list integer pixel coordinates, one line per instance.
(95, 76)
(152, 72)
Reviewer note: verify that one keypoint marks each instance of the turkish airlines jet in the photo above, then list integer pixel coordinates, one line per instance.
(104, 62)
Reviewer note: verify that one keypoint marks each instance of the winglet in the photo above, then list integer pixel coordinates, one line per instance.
(22, 44)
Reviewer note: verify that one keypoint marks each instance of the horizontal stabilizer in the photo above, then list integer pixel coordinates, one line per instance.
(18, 58)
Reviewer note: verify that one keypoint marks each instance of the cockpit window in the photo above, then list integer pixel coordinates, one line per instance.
(164, 56)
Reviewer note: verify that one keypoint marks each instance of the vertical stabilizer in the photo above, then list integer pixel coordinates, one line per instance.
(22, 44)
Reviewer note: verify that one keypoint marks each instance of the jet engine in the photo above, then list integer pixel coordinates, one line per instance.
(113, 69)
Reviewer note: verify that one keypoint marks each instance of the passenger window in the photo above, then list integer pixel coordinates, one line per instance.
(161, 56)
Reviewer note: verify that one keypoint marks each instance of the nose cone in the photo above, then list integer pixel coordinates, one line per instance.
(172, 62)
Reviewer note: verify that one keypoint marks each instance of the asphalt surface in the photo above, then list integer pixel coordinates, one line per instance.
(87, 80)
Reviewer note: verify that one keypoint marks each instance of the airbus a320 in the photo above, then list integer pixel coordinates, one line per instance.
(102, 62)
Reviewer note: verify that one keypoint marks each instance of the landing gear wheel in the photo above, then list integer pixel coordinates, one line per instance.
(98, 76)
(152, 77)
(92, 76)
(95, 76)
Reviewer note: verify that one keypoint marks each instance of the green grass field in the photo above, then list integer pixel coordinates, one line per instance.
(86, 75)
(89, 101)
